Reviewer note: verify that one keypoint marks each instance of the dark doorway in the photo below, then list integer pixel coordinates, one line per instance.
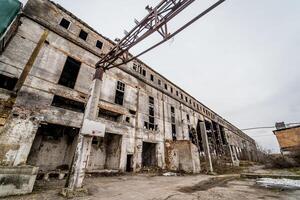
(149, 154)
(129, 167)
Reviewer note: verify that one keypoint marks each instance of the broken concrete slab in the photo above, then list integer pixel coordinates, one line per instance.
(17, 180)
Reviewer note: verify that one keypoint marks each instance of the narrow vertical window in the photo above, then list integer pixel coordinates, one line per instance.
(119, 98)
(166, 86)
(151, 124)
(159, 82)
(173, 123)
(69, 73)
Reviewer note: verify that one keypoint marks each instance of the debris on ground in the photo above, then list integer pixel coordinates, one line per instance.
(169, 174)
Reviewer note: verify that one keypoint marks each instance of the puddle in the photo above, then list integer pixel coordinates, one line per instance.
(284, 184)
(207, 184)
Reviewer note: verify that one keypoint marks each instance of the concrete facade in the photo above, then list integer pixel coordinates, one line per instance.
(42, 113)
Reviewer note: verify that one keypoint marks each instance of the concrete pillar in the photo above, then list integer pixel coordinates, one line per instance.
(206, 146)
(83, 147)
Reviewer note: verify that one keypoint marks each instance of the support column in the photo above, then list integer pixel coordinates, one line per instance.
(206, 146)
(83, 147)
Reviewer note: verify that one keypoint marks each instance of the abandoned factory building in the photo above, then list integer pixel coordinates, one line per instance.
(46, 70)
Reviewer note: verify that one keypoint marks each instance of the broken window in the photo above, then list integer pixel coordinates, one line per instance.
(186, 99)
(69, 73)
(187, 117)
(120, 93)
(177, 93)
(64, 23)
(173, 123)
(151, 77)
(99, 44)
(166, 86)
(69, 104)
(151, 123)
(83, 35)
(7, 82)
(171, 90)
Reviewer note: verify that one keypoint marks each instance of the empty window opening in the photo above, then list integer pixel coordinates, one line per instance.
(119, 98)
(186, 99)
(99, 44)
(159, 82)
(64, 23)
(69, 73)
(151, 77)
(171, 90)
(190, 101)
(105, 153)
(199, 136)
(127, 119)
(181, 96)
(188, 118)
(223, 136)
(177, 93)
(173, 123)
(83, 35)
(149, 155)
(68, 104)
(166, 86)
(109, 115)
(53, 147)
(144, 72)
(7, 82)
(129, 163)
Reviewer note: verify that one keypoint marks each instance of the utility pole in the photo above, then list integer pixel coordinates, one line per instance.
(156, 21)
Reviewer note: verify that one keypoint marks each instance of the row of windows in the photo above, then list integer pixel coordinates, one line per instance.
(138, 68)
(82, 34)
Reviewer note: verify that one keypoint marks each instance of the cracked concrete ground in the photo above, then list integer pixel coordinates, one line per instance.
(149, 187)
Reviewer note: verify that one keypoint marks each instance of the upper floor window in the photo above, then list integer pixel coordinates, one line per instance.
(171, 90)
(144, 72)
(151, 77)
(64, 23)
(69, 73)
(83, 35)
(177, 93)
(159, 82)
(119, 98)
(99, 44)
(166, 86)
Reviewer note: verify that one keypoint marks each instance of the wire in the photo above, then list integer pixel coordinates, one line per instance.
(268, 127)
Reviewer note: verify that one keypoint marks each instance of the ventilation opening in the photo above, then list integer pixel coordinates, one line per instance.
(70, 72)
(149, 154)
(68, 104)
(53, 147)
(7, 82)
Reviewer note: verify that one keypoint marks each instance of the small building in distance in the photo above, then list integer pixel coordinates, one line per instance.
(288, 138)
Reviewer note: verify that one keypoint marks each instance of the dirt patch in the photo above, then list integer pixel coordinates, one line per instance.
(207, 184)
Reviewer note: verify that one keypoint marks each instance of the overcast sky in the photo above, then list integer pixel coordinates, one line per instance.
(242, 60)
